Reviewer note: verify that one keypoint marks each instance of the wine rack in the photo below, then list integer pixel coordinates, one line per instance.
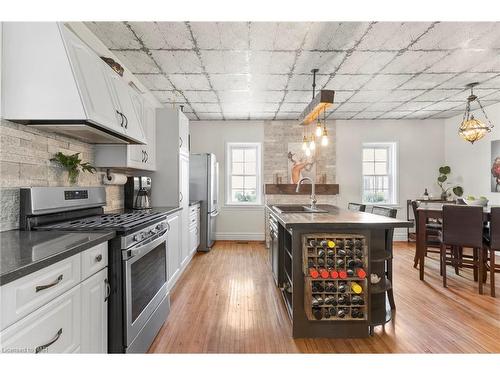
(335, 277)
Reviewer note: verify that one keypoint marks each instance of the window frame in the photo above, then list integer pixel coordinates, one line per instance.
(228, 173)
(392, 172)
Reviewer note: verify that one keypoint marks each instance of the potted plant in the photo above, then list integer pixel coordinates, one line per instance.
(73, 164)
(445, 185)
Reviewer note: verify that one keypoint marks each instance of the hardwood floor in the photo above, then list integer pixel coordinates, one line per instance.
(227, 302)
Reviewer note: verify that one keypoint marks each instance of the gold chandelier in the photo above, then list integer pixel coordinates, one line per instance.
(471, 129)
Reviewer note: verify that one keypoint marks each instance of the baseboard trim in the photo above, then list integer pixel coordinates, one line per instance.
(235, 236)
(400, 237)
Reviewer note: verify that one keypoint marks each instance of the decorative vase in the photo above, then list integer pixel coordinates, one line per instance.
(444, 196)
(73, 176)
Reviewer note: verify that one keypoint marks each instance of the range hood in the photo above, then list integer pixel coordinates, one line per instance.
(52, 80)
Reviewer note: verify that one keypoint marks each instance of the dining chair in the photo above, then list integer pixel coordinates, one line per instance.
(432, 230)
(492, 242)
(389, 237)
(356, 207)
(462, 227)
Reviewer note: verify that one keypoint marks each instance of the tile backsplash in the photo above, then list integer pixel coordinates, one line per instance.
(24, 162)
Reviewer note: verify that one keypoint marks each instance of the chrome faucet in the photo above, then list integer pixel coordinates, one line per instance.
(313, 190)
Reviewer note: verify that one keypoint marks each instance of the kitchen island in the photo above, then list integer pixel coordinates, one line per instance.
(322, 264)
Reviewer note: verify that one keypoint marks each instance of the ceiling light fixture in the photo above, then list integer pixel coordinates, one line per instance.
(471, 129)
(312, 112)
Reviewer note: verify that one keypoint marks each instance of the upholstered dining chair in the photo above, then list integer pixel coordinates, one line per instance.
(462, 227)
(356, 207)
(492, 242)
(431, 233)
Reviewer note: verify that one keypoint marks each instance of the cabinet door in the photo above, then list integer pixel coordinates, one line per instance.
(184, 203)
(90, 75)
(137, 153)
(94, 327)
(183, 133)
(150, 126)
(53, 328)
(124, 95)
(193, 234)
(173, 248)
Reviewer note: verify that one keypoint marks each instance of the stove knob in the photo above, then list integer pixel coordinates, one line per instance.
(137, 237)
(160, 227)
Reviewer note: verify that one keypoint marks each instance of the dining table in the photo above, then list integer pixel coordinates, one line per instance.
(426, 211)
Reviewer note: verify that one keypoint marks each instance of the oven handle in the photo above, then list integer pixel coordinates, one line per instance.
(145, 247)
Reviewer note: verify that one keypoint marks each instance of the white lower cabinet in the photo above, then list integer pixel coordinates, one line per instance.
(68, 308)
(173, 248)
(94, 334)
(53, 328)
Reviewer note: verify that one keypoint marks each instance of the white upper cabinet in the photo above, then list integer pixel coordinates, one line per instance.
(96, 92)
(53, 80)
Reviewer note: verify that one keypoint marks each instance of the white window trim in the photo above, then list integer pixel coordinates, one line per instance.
(227, 172)
(394, 179)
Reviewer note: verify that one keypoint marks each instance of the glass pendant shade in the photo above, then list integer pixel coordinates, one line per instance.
(472, 129)
(319, 130)
(312, 144)
(304, 143)
(308, 152)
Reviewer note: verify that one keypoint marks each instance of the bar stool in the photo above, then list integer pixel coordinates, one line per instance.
(492, 242)
(356, 207)
(462, 227)
(389, 236)
(432, 231)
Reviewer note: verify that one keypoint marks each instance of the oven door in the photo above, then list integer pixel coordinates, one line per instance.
(145, 269)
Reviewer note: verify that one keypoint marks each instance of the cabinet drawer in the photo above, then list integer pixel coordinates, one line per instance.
(54, 328)
(25, 295)
(94, 259)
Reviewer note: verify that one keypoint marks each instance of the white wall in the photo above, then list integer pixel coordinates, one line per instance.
(233, 223)
(471, 163)
(420, 154)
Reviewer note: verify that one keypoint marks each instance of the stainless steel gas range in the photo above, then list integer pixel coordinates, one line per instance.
(138, 303)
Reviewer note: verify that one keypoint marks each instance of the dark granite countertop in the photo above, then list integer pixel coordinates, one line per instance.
(24, 252)
(338, 217)
(194, 203)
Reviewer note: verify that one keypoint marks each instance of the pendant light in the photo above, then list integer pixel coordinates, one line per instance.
(472, 129)
(324, 137)
(319, 129)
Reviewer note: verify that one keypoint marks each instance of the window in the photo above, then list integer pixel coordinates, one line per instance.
(243, 174)
(379, 173)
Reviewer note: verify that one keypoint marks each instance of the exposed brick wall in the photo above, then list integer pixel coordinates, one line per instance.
(24, 162)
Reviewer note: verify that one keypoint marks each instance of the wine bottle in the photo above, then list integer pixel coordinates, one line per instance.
(350, 272)
(314, 302)
(330, 287)
(341, 313)
(356, 288)
(348, 244)
(310, 263)
(340, 263)
(357, 300)
(342, 274)
(313, 272)
(340, 243)
(361, 273)
(341, 253)
(332, 311)
(326, 314)
(330, 244)
(358, 244)
(358, 262)
(354, 313)
(328, 300)
(334, 274)
(313, 243)
(350, 262)
(426, 195)
(358, 253)
(342, 287)
(321, 253)
(321, 262)
(318, 314)
(330, 262)
(314, 288)
(324, 244)
(349, 253)
(317, 287)
(319, 299)
(330, 253)
(323, 272)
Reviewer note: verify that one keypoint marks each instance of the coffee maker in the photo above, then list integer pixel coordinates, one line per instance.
(138, 193)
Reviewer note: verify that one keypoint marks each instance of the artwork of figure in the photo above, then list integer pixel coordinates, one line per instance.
(495, 166)
(299, 165)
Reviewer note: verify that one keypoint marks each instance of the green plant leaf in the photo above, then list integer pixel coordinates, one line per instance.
(442, 178)
(445, 169)
(71, 163)
(458, 191)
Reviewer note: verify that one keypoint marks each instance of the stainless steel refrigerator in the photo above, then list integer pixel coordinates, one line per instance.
(204, 187)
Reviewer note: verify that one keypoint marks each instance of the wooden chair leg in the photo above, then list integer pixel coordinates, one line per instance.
(492, 272)
(456, 260)
(481, 269)
(475, 259)
(443, 263)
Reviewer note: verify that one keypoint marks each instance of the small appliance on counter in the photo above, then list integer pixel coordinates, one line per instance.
(138, 193)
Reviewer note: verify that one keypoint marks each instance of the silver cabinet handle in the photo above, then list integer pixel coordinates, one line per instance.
(147, 156)
(181, 142)
(42, 287)
(38, 349)
(98, 258)
(108, 290)
(126, 121)
(182, 196)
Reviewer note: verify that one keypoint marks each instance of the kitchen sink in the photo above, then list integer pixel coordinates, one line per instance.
(286, 209)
